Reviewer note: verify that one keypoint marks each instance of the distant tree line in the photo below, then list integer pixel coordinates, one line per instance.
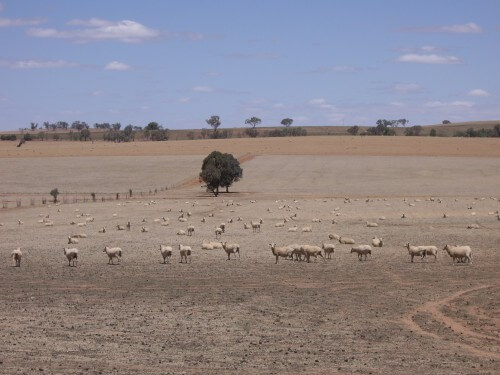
(473, 133)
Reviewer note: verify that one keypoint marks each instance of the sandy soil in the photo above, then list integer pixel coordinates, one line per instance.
(315, 145)
(250, 315)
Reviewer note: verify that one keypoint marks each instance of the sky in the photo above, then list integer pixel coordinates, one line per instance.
(321, 62)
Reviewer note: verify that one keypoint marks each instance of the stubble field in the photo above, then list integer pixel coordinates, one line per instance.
(251, 315)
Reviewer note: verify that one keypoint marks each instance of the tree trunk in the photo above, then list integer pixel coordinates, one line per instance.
(227, 189)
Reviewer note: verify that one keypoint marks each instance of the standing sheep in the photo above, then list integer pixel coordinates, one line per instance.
(17, 255)
(71, 255)
(190, 230)
(218, 232)
(377, 242)
(113, 252)
(329, 249)
(415, 251)
(458, 252)
(310, 251)
(166, 253)
(72, 241)
(232, 248)
(362, 250)
(185, 252)
(283, 252)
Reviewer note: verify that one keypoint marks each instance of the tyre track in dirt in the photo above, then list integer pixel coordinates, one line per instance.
(433, 308)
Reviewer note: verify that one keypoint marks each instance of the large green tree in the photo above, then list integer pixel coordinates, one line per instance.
(220, 170)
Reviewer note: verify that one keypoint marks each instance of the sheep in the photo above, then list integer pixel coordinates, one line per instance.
(316, 220)
(89, 219)
(190, 230)
(415, 251)
(459, 252)
(311, 250)
(346, 241)
(329, 249)
(71, 255)
(473, 226)
(333, 236)
(185, 252)
(377, 242)
(79, 235)
(49, 224)
(293, 229)
(232, 248)
(362, 250)
(72, 241)
(280, 224)
(81, 224)
(203, 219)
(256, 225)
(223, 227)
(283, 252)
(246, 226)
(218, 232)
(431, 251)
(206, 245)
(403, 216)
(445, 215)
(17, 254)
(371, 225)
(144, 229)
(128, 225)
(297, 251)
(183, 219)
(120, 227)
(20, 222)
(102, 230)
(113, 252)
(166, 253)
(181, 232)
(307, 229)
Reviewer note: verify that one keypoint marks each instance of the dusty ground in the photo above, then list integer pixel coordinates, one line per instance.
(250, 315)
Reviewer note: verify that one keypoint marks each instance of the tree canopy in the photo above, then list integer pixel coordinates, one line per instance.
(220, 170)
(287, 122)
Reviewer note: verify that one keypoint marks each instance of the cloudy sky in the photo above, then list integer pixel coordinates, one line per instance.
(321, 62)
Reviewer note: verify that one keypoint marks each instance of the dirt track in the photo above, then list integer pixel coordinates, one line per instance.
(214, 316)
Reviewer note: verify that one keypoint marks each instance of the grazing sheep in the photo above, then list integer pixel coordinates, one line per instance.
(166, 253)
(113, 252)
(71, 255)
(232, 248)
(185, 252)
(72, 241)
(473, 226)
(17, 254)
(293, 229)
(333, 236)
(218, 232)
(310, 251)
(307, 229)
(362, 250)
(371, 225)
(431, 251)
(102, 230)
(346, 241)
(459, 252)
(190, 230)
(283, 252)
(246, 226)
(144, 230)
(181, 232)
(377, 242)
(79, 235)
(120, 227)
(415, 251)
(329, 249)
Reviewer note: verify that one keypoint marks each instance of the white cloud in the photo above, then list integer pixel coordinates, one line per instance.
(428, 59)
(185, 100)
(466, 28)
(406, 88)
(397, 104)
(331, 112)
(116, 65)
(457, 103)
(8, 22)
(202, 89)
(96, 29)
(478, 92)
(278, 106)
(36, 64)
(97, 93)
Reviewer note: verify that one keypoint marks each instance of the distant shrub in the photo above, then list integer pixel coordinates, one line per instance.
(288, 132)
(413, 131)
(433, 133)
(353, 130)
(8, 137)
(190, 135)
(445, 122)
(252, 132)
(28, 137)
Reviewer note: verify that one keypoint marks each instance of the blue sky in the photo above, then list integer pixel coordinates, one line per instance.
(179, 62)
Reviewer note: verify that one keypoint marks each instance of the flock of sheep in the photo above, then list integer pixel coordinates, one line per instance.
(295, 252)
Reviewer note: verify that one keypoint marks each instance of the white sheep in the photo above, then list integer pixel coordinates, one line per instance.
(458, 252)
(129, 225)
(232, 248)
(316, 220)
(293, 229)
(346, 240)
(333, 236)
(79, 235)
(166, 253)
(431, 251)
(246, 226)
(283, 251)
(203, 219)
(205, 245)
(113, 252)
(307, 229)
(120, 227)
(362, 250)
(377, 242)
(371, 224)
(72, 241)
(310, 251)
(183, 219)
(71, 255)
(329, 249)
(415, 251)
(181, 232)
(144, 229)
(185, 252)
(280, 224)
(20, 222)
(218, 232)
(190, 230)
(17, 255)
(473, 226)
(102, 230)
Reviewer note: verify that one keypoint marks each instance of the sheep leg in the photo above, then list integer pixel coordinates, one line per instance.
(276, 260)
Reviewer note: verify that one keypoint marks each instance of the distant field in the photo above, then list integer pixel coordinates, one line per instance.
(319, 145)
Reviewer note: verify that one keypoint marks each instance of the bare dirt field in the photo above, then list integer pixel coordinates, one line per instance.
(250, 315)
